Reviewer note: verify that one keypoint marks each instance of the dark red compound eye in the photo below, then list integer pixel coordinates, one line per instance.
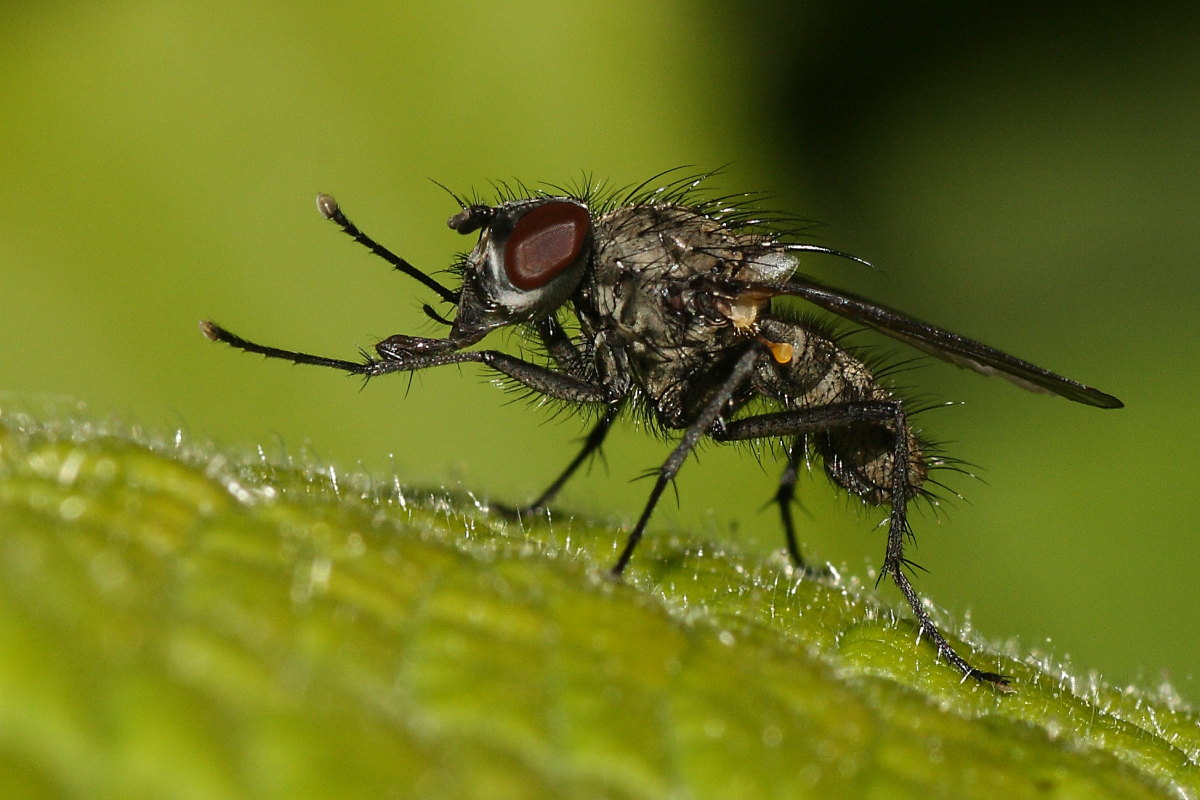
(544, 242)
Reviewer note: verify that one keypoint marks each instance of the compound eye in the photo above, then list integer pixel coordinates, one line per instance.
(545, 241)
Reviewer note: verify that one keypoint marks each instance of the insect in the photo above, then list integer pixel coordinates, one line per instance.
(665, 301)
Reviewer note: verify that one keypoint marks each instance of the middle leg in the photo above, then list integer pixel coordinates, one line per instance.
(705, 422)
(784, 496)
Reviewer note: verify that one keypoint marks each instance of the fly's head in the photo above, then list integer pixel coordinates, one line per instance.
(531, 257)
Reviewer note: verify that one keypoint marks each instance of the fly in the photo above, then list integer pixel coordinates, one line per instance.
(674, 300)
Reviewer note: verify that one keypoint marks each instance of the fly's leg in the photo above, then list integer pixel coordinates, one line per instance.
(704, 423)
(331, 211)
(783, 498)
(411, 353)
(894, 561)
(570, 360)
(559, 345)
(811, 420)
(591, 444)
(216, 333)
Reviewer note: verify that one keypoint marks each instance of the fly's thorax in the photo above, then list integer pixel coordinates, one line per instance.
(650, 295)
(655, 269)
(673, 348)
(681, 242)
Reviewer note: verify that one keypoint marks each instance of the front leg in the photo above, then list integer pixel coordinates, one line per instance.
(402, 348)
(411, 353)
(424, 353)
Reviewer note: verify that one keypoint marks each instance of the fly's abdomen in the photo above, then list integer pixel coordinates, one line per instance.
(859, 452)
(860, 458)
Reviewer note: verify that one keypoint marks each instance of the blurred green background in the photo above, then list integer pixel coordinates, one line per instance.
(1028, 174)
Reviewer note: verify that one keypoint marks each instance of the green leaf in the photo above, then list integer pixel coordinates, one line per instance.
(176, 622)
